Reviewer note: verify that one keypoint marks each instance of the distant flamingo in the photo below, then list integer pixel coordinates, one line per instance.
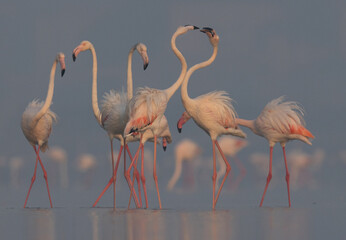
(185, 150)
(213, 112)
(149, 104)
(158, 129)
(230, 147)
(15, 164)
(303, 165)
(86, 163)
(114, 111)
(279, 122)
(37, 121)
(59, 155)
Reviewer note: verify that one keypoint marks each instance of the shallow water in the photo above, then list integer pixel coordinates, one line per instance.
(104, 223)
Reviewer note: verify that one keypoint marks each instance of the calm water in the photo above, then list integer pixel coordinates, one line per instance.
(104, 223)
(316, 213)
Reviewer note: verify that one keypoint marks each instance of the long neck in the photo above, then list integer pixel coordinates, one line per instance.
(49, 97)
(246, 123)
(129, 75)
(171, 90)
(184, 95)
(94, 100)
(176, 174)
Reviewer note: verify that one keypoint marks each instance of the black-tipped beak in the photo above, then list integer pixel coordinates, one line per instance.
(179, 129)
(73, 57)
(164, 148)
(194, 27)
(145, 66)
(208, 30)
(62, 72)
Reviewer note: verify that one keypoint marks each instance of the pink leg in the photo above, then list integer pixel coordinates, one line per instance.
(44, 174)
(137, 177)
(287, 178)
(269, 175)
(214, 173)
(110, 180)
(228, 169)
(113, 175)
(143, 179)
(154, 173)
(32, 180)
(136, 174)
(128, 177)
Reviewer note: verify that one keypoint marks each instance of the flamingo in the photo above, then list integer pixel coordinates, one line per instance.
(86, 163)
(149, 104)
(303, 165)
(15, 165)
(59, 155)
(113, 115)
(213, 112)
(185, 150)
(158, 129)
(280, 122)
(37, 120)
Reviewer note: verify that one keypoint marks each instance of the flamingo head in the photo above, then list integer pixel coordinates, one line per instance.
(60, 57)
(164, 143)
(142, 50)
(182, 120)
(213, 37)
(83, 46)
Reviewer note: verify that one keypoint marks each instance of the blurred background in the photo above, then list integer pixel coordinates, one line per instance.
(267, 49)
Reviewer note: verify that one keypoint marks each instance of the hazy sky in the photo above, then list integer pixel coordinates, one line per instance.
(267, 49)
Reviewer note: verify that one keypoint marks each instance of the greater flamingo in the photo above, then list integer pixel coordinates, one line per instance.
(303, 165)
(86, 164)
(37, 121)
(186, 150)
(113, 115)
(149, 104)
(158, 129)
(213, 112)
(280, 122)
(59, 155)
(15, 165)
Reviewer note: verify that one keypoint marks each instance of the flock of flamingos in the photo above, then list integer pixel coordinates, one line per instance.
(140, 117)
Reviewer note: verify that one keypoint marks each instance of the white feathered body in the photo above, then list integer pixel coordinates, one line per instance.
(37, 134)
(282, 121)
(146, 106)
(214, 113)
(114, 113)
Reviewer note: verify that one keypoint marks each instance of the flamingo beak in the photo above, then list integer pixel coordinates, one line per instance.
(75, 53)
(207, 30)
(194, 27)
(62, 65)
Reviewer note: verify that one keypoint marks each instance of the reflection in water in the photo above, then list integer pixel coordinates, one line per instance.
(285, 223)
(40, 224)
(95, 224)
(104, 223)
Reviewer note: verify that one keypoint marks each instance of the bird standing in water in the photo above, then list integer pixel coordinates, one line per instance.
(280, 122)
(37, 121)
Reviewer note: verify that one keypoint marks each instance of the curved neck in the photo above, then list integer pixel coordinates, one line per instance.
(129, 74)
(184, 95)
(171, 90)
(94, 100)
(246, 123)
(49, 97)
(176, 174)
